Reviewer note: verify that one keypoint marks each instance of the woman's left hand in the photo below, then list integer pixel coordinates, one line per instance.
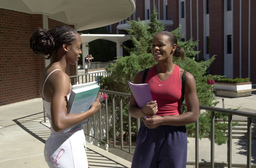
(152, 121)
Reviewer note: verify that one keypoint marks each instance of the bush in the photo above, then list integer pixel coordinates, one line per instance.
(125, 68)
(229, 80)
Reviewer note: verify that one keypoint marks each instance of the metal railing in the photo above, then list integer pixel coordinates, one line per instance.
(113, 128)
(88, 77)
(109, 127)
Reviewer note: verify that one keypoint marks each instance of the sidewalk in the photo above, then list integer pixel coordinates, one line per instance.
(23, 134)
(19, 148)
(246, 104)
(239, 155)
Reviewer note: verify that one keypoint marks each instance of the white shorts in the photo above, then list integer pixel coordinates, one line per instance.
(66, 150)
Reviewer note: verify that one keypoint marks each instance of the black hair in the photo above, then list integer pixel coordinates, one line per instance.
(46, 42)
(179, 52)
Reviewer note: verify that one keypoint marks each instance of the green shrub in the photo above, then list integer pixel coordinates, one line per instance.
(125, 68)
(229, 80)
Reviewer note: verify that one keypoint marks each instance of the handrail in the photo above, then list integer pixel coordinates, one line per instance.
(228, 111)
(129, 148)
(104, 129)
(88, 77)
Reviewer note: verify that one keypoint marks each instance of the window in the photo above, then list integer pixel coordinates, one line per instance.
(182, 9)
(229, 44)
(207, 45)
(147, 10)
(229, 5)
(207, 6)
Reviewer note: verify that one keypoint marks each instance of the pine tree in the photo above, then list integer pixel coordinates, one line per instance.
(154, 26)
(125, 69)
(139, 36)
(142, 34)
(189, 45)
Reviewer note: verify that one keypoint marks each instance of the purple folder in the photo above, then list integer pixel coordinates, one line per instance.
(141, 93)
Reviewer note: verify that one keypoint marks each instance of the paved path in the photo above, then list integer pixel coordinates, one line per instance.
(23, 133)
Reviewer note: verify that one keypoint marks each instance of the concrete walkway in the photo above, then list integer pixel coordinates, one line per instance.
(23, 134)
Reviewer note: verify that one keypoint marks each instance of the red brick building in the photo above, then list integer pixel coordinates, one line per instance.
(224, 28)
(20, 68)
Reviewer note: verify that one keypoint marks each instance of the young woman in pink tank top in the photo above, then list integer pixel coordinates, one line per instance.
(62, 46)
(162, 138)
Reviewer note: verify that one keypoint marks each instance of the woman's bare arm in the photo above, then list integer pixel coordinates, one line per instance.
(60, 85)
(190, 116)
(148, 110)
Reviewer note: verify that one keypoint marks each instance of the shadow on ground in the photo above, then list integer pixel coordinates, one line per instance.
(34, 125)
(243, 144)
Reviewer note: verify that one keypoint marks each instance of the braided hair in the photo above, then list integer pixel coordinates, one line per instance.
(46, 42)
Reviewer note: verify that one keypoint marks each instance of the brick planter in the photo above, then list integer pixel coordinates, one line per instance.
(233, 89)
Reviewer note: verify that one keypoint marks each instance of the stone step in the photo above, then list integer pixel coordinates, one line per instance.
(239, 131)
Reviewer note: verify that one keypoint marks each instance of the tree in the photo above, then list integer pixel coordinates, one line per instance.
(125, 69)
(139, 36)
(142, 34)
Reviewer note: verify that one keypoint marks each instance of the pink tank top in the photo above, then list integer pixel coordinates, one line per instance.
(167, 93)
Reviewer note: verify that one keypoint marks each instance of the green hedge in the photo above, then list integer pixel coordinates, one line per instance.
(229, 80)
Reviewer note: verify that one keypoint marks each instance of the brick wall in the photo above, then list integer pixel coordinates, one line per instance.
(140, 10)
(201, 23)
(173, 13)
(216, 14)
(236, 38)
(253, 42)
(244, 39)
(18, 65)
(20, 68)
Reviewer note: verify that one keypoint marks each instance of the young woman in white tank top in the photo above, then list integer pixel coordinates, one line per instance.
(65, 147)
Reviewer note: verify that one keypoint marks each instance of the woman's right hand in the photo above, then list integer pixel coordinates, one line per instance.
(150, 108)
(96, 105)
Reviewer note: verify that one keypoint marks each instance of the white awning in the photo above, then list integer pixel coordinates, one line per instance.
(111, 37)
(83, 14)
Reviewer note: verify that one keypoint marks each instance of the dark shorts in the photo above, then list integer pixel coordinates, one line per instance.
(162, 147)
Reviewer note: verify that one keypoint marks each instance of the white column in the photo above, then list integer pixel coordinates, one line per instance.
(121, 50)
(118, 48)
(147, 7)
(85, 48)
(46, 26)
(83, 54)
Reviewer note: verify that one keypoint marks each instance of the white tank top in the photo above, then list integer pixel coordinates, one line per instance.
(47, 105)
